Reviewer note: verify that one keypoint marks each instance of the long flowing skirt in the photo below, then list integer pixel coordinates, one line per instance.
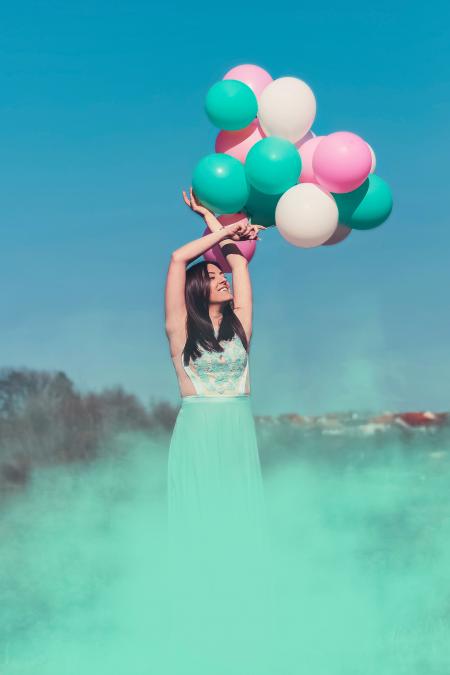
(218, 553)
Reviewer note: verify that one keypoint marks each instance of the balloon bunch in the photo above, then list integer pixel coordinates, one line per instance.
(269, 166)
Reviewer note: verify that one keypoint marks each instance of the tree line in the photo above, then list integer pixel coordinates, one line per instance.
(45, 420)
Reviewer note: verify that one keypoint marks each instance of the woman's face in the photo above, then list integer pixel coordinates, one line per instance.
(219, 290)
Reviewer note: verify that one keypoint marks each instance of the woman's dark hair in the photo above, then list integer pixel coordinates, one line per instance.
(200, 331)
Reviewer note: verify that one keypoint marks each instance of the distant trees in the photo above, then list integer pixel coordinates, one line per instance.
(45, 420)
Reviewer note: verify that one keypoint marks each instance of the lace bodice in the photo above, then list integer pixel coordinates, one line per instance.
(220, 373)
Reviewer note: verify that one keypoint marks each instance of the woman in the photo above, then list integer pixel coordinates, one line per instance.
(215, 494)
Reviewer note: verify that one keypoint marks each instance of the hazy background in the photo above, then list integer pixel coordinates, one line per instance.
(101, 124)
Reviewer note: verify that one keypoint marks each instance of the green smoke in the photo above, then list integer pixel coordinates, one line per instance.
(357, 580)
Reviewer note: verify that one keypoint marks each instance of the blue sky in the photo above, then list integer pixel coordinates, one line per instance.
(101, 124)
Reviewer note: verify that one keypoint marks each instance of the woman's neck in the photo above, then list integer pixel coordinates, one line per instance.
(216, 318)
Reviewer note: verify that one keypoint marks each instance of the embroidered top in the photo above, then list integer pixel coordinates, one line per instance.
(220, 373)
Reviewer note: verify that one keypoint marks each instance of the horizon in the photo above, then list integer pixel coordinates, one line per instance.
(153, 402)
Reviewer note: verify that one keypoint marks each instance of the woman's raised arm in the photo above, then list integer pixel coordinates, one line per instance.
(175, 304)
(242, 287)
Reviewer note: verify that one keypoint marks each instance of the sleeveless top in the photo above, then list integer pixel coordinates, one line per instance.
(219, 373)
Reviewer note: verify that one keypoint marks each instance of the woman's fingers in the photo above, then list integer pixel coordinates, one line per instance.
(254, 230)
(194, 201)
(246, 231)
(243, 231)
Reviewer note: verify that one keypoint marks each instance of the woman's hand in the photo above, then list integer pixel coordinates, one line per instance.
(240, 232)
(237, 231)
(194, 205)
(251, 231)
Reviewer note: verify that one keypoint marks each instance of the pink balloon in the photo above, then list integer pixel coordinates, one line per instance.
(340, 233)
(238, 143)
(246, 247)
(307, 151)
(253, 76)
(342, 162)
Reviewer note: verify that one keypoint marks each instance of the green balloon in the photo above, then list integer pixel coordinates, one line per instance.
(273, 165)
(261, 207)
(366, 207)
(231, 105)
(220, 183)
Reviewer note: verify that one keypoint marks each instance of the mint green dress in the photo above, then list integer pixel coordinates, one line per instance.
(217, 530)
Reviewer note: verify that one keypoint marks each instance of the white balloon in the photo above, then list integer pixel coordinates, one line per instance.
(374, 159)
(306, 215)
(287, 108)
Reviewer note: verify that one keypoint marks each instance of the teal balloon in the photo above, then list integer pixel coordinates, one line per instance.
(231, 105)
(261, 207)
(220, 183)
(273, 165)
(366, 207)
